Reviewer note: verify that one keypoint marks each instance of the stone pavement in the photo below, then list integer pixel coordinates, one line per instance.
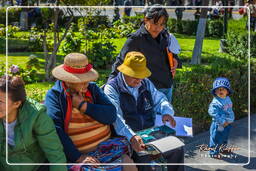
(238, 138)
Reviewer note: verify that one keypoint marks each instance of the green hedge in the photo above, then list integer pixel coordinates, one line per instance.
(237, 44)
(189, 27)
(13, 15)
(2, 45)
(136, 20)
(214, 28)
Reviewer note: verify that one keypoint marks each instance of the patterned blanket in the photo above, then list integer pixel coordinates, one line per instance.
(109, 151)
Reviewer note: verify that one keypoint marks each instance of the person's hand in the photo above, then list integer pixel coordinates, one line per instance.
(88, 159)
(169, 118)
(137, 143)
(225, 124)
(77, 98)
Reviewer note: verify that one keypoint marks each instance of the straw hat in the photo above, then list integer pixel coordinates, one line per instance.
(135, 65)
(75, 69)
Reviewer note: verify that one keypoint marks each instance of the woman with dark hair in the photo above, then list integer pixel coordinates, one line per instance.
(153, 40)
(32, 137)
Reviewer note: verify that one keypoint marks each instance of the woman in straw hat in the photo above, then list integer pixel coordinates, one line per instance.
(82, 114)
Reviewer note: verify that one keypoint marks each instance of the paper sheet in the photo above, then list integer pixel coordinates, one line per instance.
(183, 125)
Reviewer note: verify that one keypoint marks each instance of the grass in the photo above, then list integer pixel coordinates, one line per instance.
(14, 43)
(119, 43)
(21, 58)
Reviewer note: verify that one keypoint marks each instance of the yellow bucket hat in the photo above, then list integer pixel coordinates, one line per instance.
(135, 65)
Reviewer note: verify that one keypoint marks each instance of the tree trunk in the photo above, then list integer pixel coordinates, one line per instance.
(51, 62)
(46, 58)
(196, 58)
(52, 58)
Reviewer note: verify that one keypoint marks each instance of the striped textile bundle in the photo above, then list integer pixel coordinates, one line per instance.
(85, 132)
(109, 151)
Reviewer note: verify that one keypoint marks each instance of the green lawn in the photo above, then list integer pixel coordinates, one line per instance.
(119, 43)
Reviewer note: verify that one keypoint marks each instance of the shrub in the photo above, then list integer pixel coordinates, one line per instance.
(37, 91)
(215, 28)
(92, 22)
(2, 30)
(13, 15)
(101, 53)
(71, 43)
(12, 30)
(189, 27)
(33, 63)
(136, 20)
(179, 27)
(2, 69)
(238, 26)
(110, 33)
(2, 45)
(91, 34)
(123, 29)
(171, 25)
(35, 43)
(29, 73)
(237, 44)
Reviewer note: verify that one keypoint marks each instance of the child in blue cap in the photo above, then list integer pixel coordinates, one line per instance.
(222, 115)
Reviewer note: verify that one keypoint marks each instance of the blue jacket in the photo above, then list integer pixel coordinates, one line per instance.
(221, 110)
(102, 110)
(136, 107)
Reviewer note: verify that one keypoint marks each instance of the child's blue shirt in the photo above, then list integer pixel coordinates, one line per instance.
(221, 110)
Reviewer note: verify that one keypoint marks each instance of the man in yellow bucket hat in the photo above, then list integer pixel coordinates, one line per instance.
(137, 101)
